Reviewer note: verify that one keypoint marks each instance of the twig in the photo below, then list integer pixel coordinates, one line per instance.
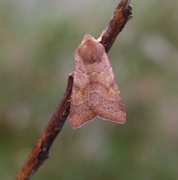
(40, 151)
(122, 14)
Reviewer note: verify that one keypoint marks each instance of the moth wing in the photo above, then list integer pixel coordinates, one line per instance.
(104, 95)
(80, 112)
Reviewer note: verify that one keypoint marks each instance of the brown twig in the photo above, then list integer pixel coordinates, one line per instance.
(40, 151)
(122, 14)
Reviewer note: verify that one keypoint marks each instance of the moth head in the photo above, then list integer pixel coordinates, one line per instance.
(90, 50)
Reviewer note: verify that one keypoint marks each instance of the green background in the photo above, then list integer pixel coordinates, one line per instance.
(37, 44)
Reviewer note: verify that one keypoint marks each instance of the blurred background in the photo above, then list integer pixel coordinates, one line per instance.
(38, 39)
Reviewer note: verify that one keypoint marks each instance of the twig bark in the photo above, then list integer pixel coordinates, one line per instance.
(122, 14)
(40, 151)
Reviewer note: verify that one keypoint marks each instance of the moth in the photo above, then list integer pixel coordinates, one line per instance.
(95, 92)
